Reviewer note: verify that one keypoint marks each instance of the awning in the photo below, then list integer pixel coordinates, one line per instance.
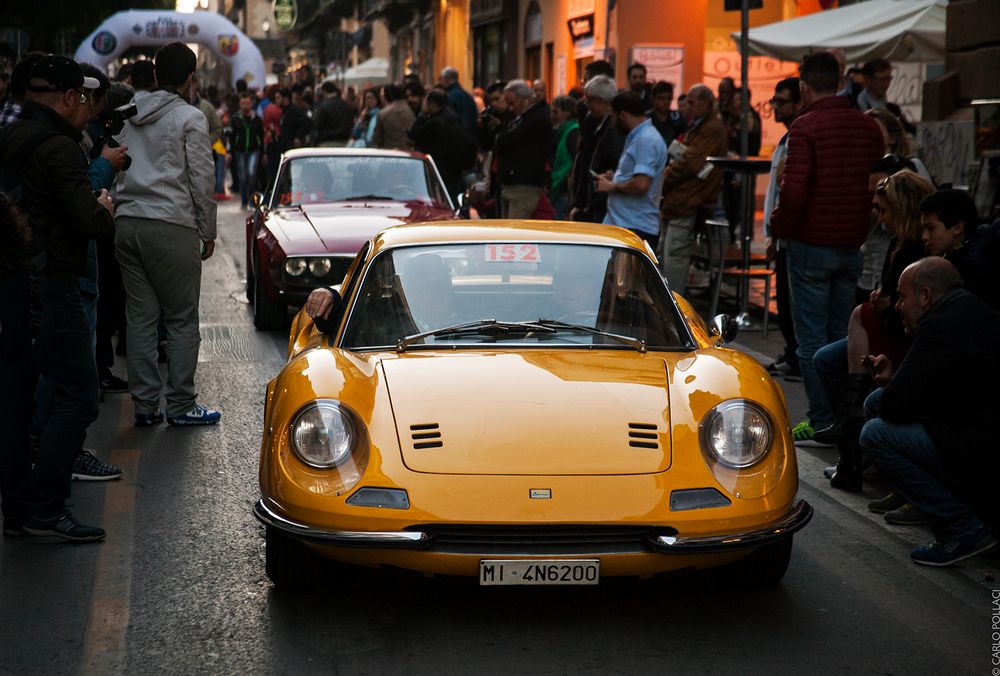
(898, 30)
(373, 71)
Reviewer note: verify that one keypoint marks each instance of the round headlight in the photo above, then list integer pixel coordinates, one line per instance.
(323, 434)
(737, 433)
(295, 266)
(319, 267)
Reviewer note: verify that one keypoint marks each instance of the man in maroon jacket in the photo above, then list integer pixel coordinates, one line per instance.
(823, 218)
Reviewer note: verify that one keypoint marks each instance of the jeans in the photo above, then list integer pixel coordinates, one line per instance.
(17, 395)
(783, 296)
(907, 457)
(822, 281)
(45, 393)
(220, 173)
(246, 170)
(830, 363)
(64, 355)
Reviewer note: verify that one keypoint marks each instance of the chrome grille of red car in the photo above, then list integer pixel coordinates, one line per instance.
(643, 435)
(426, 435)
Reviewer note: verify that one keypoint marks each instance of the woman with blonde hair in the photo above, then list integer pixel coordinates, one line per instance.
(875, 326)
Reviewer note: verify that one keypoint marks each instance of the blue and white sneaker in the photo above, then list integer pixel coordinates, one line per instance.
(198, 415)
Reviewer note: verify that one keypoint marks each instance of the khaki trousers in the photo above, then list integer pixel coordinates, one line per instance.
(519, 201)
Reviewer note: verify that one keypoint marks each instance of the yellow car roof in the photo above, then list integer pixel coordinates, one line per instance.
(569, 232)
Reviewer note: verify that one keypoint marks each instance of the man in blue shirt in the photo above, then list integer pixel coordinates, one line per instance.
(635, 188)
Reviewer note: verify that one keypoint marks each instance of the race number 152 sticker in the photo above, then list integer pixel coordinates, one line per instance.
(513, 253)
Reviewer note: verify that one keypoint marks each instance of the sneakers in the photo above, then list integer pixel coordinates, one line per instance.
(88, 467)
(13, 527)
(803, 434)
(907, 515)
(148, 419)
(887, 504)
(63, 526)
(198, 415)
(954, 550)
(782, 367)
(113, 384)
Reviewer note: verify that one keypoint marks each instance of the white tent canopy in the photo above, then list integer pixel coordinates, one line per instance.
(898, 30)
(374, 71)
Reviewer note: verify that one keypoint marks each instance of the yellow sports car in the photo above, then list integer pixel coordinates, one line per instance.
(525, 403)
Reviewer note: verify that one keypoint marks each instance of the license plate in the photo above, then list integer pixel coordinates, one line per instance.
(539, 571)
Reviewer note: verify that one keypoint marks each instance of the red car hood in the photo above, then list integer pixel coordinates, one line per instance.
(342, 227)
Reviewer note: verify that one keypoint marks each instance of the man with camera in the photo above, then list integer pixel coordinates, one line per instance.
(166, 228)
(42, 152)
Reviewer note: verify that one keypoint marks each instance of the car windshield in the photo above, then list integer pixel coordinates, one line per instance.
(527, 293)
(340, 178)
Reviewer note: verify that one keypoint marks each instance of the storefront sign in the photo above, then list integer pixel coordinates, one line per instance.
(581, 27)
(286, 13)
(662, 62)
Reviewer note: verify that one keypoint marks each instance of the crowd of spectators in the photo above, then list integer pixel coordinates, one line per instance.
(880, 274)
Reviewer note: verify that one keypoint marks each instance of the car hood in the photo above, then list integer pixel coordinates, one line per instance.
(538, 413)
(342, 227)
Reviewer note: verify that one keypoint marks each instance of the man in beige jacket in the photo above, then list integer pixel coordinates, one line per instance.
(394, 120)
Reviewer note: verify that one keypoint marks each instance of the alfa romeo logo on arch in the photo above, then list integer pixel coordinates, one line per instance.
(104, 43)
(229, 44)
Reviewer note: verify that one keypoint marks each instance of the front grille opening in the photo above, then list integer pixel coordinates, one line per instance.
(643, 435)
(426, 435)
(555, 539)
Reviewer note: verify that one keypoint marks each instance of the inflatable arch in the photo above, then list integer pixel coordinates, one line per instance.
(142, 28)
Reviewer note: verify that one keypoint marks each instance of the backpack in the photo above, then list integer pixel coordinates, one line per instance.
(14, 194)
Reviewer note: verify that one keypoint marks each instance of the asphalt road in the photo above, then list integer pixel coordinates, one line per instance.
(179, 587)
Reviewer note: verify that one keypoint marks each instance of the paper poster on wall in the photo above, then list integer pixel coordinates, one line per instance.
(561, 74)
(765, 73)
(662, 61)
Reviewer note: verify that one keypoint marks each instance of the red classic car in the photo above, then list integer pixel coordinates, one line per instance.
(324, 204)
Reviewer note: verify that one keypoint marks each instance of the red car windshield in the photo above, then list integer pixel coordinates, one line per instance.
(345, 178)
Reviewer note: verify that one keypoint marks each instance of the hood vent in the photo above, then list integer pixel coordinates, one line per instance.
(426, 435)
(643, 435)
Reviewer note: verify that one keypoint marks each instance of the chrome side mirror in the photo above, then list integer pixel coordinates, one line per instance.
(258, 200)
(723, 328)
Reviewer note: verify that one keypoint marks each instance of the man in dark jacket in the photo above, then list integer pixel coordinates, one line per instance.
(295, 123)
(935, 435)
(246, 143)
(42, 149)
(950, 219)
(523, 151)
(824, 218)
(459, 99)
(334, 118)
(439, 132)
(599, 149)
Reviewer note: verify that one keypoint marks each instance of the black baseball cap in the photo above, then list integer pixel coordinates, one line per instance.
(58, 74)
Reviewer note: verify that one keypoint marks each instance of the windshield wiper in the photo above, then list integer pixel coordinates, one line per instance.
(557, 325)
(482, 326)
(358, 198)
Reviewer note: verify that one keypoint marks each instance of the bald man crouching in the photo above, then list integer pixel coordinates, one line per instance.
(938, 412)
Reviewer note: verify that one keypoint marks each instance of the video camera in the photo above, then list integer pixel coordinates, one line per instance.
(114, 124)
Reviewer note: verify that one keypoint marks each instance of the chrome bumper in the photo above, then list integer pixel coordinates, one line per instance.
(798, 517)
(389, 539)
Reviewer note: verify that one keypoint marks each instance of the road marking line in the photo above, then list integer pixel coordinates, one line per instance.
(104, 639)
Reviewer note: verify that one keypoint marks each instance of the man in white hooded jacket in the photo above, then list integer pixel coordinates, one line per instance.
(165, 228)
